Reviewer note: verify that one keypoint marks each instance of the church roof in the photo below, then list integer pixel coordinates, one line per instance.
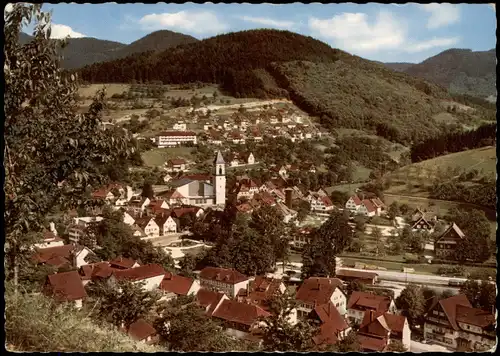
(219, 159)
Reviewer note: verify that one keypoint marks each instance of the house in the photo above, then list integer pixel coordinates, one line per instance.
(167, 224)
(353, 204)
(316, 291)
(261, 290)
(95, 271)
(138, 205)
(361, 302)
(128, 217)
(114, 193)
(65, 287)
(240, 319)
(288, 213)
(445, 245)
(176, 165)
(174, 285)
(225, 280)
(209, 300)
(379, 329)
(80, 225)
(123, 263)
(50, 239)
(320, 203)
(454, 323)
(148, 225)
(302, 237)
(332, 325)
(151, 275)
(157, 206)
(71, 255)
(423, 220)
(367, 208)
(248, 158)
(175, 138)
(142, 331)
(359, 276)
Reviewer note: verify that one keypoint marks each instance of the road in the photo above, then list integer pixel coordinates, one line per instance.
(167, 239)
(418, 347)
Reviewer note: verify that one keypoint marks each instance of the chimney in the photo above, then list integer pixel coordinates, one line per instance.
(52, 227)
(371, 316)
(288, 198)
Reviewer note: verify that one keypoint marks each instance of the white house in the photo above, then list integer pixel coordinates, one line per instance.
(379, 330)
(167, 224)
(80, 225)
(320, 203)
(175, 138)
(150, 276)
(138, 204)
(317, 291)
(50, 238)
(228, 281)
(128, 219)
(353, 204)
(148, 225)
(176, 165)
(180, 126)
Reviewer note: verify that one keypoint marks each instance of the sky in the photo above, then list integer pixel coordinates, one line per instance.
(383, 32)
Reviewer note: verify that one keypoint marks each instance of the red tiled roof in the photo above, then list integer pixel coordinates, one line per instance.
(374, 324)
(206, 297)
(326, 336)
(244, 207)
(369, 205)
(140, 273)
(355, 274)
(185, 210)
(177, 133)
(176, 161)
(156, 204)
(326, 201)
(260, 290)
(356, 200)
(474, 316)
(395, 322)
(143, 221)
(449, 306)
(318, 291)
(179, 285)
(377, 202)
(364, 300)
(56, 256)
(141, 330)
(229, 276)
(88, 271)
(65, 286)
(328, 314)
(372, 343)
(241, 313)
(123, 262)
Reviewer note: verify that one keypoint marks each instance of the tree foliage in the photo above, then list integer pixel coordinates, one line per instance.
(331, 239)
(481, 295)
(52, 153)
(412, 303)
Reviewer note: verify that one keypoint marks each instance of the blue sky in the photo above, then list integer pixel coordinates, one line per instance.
(389, 33)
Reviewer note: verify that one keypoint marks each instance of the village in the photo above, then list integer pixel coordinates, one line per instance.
(239, 301)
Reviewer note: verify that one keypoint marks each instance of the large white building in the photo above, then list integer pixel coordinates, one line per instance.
(200, 192)
(175, 138)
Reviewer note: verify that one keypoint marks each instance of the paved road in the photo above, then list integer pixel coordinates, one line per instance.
(418, 347)
(167, 239)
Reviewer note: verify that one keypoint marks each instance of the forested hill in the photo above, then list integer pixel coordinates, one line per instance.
(226, 59)
(461, 71)
(86, 50)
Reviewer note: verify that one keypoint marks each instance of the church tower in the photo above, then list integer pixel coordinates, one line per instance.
(220, 180)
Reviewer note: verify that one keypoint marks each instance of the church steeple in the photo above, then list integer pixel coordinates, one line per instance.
(219, 159)
(220, 180)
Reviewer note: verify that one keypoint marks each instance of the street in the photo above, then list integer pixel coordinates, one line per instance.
(166, 239)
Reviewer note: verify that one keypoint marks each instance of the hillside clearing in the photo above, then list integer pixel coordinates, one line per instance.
(91, 90)
(156, 157)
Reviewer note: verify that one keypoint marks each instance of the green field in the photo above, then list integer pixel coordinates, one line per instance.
(156, 157)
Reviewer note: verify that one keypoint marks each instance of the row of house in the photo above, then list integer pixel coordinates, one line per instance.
(366, 207)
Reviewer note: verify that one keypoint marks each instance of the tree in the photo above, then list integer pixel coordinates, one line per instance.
(396, 247)
(481, 295)
(412, 303)
(349, 344)
(279, 334)
(147, 191)
(393, 210)
(303, 209)
(123, 303)
(404, 209)
(331, 239)
(52, 153)
(360, 222)
(188, 328)
(354, 286)
(396, 346)
(188, 265)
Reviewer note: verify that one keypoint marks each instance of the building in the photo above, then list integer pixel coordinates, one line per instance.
(240, 319)
(379, 329)
(445, 245)
(261, 290)
(175, 285)
(224, 280)
(175, 138)
(180, 126)
(80, 225)
(353, 204)
(359, 276)
(71, 255)
(316, 291)
(176, 165)
(362, 302)
(167, 224)
(209, 300)
(423, 220)
(123, 263)
(50, 239)
(150, 275)
(332, 325)
(454, 323)
(95, 271)
(117, 194)
(148, 225)
(320, 203)
(220, 180)
(142, 331)
(137, 205)
(302, 237)
(65, 287)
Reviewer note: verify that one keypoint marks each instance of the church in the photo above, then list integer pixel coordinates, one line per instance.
(200, 191)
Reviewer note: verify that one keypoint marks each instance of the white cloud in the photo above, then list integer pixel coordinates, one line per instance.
(199, 22)
(62, 31)
(433, 43)
(268, 21)
(441, 14)
(352, 32)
